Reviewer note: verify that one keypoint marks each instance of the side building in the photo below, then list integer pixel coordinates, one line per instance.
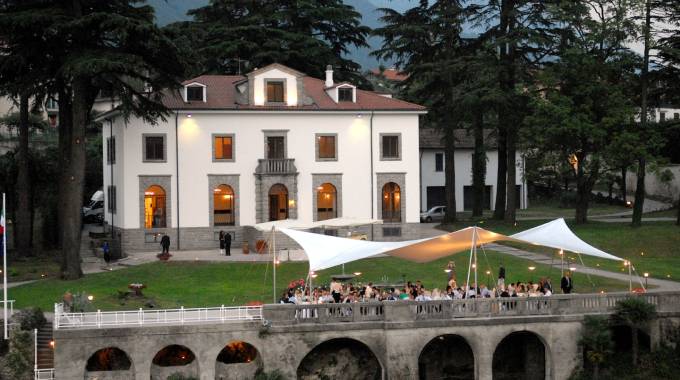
(432, 161)
(271, 145)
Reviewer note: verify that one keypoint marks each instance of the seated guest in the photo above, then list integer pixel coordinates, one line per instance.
(484, 291)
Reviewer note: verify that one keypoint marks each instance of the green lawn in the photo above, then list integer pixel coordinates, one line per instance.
(653, 248)
(194, 284)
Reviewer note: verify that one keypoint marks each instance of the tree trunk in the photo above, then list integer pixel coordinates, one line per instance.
(583, 189)
(511, 205)
(65, 133)
(596, 371)
(74, 170)
(640, 189)
(499, 206)
(624, 190)
(479, 167)
(450, 176)
(23, 234)
(677, 221)
(634, 343)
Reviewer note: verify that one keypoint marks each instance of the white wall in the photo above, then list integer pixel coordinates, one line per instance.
(260, 89)
(195, 151)
(463, 160)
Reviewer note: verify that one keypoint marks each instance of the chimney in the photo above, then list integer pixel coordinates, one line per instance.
(329, 76)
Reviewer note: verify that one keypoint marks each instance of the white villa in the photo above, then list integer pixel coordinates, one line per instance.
(432, 171)
(274, 144)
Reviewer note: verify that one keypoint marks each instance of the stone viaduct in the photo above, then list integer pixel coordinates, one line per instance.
(510, 338)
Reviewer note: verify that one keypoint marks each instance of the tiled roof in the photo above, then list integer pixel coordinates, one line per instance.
(222, 93)
(391, 74)
(431, 138)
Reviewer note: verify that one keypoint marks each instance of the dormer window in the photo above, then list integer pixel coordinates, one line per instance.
(275, 91)
(194, 94)
(345, 94)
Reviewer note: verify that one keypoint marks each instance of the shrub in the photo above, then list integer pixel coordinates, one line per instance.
(273, 375)
(18, 363)
(180, 376)
(568, 200)
(32, 318)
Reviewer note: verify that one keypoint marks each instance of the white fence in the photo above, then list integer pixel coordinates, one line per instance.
(44, 374)
(10, 306)
(64, 320)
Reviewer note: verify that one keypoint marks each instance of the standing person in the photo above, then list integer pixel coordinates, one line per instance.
(501, 277)
(227, 244)
(107, 253)
(566, 284)
(165, 244)
(221, 243)
(451, 269)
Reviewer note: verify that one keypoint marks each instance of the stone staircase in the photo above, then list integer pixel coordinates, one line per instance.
(91, 244)
(45, 349)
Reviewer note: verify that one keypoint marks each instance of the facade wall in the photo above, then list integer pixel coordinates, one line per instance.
(654, 185)
(196, 166)
(463, 159)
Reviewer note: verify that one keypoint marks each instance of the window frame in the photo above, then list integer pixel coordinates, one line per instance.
(232, 210)
(317, 141)
(346, 89)
(213, 137)
(192, 86)
(165, 147)
(439, 168)
(284, 90)
(382, 147)
(111, 150)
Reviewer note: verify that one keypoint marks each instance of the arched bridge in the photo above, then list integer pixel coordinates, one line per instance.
(508, 338)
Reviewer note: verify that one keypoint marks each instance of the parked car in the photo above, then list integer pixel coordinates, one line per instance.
(436, 213)
(94, 211)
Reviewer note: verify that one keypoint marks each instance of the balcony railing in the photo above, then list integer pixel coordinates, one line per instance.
(276, 166)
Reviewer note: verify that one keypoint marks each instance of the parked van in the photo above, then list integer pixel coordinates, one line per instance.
(94, 211)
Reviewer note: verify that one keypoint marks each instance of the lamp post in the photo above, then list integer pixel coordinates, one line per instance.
(646, 277)
(531, 270)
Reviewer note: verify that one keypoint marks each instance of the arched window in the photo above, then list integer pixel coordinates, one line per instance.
(223, 206)
(278, 202)
(391, 203)
(154, 207)
(326, 202)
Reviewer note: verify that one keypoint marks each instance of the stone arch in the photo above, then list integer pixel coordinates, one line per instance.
(278, 202)
(109, 363)
(391, 202)
(237, 360)
(521, 355)
(340, 358)
(174, 359)
(326, 201)
(448, 356)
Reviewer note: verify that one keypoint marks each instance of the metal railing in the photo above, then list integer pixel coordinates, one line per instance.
(276, 166)
(98, 319)
(43, 374)
(10, 304)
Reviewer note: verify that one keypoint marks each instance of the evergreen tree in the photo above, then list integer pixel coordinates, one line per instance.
(90, 45)
(234, 36)
(425, 42)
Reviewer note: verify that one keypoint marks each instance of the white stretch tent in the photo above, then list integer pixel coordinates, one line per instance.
(556, 234)
(299, 224)
(328, 251)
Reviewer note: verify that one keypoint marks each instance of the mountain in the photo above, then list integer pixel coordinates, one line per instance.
(169, 11)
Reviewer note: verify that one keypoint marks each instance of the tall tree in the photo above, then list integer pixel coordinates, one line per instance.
(523, 34)
(583, 98)
(233, 36)
(425, 42)
(92, 45)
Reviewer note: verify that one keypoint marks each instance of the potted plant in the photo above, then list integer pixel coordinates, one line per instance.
(163, 256)
(246, 248)
(261, 246)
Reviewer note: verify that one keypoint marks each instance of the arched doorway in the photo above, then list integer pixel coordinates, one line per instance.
(223, 206)
(326, 202)
(447, 357)
(520, 355)
(174, 359)
(278, 202)
(109, 362)
(391, 203)
(237, 360)
(341, 358)
(154, 207)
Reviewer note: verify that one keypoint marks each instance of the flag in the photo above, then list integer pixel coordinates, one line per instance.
(2, 222)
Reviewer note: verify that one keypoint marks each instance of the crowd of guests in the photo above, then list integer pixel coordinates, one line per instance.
(338, 292)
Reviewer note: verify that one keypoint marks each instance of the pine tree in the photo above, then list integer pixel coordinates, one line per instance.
(234, 36)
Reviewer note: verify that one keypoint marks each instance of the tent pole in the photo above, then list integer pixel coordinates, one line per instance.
(273, 248)
(562, 263)
(467, 282)
(474, 246)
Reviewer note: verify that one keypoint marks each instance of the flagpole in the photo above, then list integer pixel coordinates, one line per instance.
(4, 266)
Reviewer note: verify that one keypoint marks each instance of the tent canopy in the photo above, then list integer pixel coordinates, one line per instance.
(328, 251)
(556, 234)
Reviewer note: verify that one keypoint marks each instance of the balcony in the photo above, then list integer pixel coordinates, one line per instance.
(276, 166)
